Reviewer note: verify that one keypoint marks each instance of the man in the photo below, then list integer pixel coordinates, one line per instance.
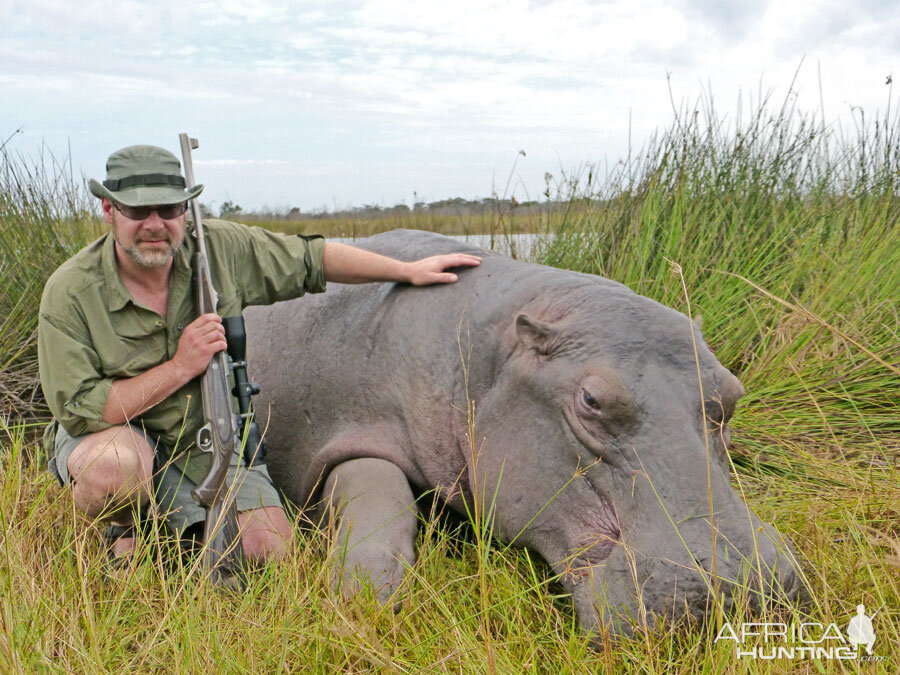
(121, 349)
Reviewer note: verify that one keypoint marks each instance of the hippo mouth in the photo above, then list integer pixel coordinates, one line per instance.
(599, 535)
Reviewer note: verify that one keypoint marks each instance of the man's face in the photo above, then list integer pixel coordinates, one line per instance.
(152, 241)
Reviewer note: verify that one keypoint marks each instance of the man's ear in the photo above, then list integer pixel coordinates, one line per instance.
(107, 207)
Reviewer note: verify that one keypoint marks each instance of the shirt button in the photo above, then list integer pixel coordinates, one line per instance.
(180, 326)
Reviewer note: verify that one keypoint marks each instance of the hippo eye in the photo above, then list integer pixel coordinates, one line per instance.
(589, 400)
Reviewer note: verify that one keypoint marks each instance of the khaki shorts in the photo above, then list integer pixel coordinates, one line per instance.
(173, 488)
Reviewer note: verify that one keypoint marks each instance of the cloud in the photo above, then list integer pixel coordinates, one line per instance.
(472, 82)
(732, 21)
(242, 162)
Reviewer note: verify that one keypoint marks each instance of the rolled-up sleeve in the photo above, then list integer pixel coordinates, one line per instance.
(71, 377)
(276, 266)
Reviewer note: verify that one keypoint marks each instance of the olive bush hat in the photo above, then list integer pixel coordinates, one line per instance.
(143, 175)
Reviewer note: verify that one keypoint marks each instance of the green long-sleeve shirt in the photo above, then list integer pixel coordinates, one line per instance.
(91, 332)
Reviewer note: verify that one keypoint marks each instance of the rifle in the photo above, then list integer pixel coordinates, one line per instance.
(222, 550)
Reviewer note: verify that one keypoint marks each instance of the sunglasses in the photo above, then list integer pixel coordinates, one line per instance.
(167, 212)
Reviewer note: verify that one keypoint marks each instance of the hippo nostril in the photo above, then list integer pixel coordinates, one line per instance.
(702, 563)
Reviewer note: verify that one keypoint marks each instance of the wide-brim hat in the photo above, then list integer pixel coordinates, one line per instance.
(143, 175)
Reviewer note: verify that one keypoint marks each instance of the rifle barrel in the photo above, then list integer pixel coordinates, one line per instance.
(188, 144)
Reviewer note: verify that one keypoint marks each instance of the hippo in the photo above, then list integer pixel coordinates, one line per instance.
(590, 445)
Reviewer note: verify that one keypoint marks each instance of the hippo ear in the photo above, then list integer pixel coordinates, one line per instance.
(534, 334)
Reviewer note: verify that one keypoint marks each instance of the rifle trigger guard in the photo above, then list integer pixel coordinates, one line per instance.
(204, 438)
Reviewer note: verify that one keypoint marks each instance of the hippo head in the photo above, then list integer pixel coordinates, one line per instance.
(596, 448)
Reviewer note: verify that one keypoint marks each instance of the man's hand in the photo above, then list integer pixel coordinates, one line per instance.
(431, 270)
(200, 341)
(132, 396)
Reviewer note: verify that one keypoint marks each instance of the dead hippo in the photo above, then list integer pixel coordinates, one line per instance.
(588, 419)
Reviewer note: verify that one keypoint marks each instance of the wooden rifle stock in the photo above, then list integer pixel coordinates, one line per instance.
(222, 549)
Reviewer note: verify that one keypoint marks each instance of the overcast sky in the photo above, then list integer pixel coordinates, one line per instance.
(327, 105)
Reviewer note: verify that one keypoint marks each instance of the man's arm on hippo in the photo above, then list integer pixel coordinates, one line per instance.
(350, 265)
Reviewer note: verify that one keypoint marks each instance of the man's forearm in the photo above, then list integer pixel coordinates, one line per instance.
(350, 265)
(133, 396)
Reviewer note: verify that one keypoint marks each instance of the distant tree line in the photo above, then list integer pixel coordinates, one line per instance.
(454, 206)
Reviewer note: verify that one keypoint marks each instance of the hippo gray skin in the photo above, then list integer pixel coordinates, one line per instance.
(588, 419)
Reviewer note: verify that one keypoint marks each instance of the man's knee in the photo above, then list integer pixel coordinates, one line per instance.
(266, 533)
(114, 465)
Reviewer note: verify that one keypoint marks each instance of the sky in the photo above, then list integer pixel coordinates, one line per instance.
(324, 106)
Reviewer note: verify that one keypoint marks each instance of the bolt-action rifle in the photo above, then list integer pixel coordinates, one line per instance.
(221, 433)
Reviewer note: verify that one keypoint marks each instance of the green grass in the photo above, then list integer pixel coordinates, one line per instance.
(45, 217)
(787, 236)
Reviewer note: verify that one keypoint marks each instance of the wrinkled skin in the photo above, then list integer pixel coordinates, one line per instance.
(589, 432)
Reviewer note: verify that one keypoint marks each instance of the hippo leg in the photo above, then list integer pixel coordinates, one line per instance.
(377, 519)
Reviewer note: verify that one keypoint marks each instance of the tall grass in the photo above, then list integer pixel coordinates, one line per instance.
(783, 203)
(785, 232)
(45, 217)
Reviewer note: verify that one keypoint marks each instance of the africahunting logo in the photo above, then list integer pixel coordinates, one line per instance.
(770, 641)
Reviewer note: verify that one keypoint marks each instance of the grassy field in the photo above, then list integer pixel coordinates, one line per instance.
(787, 235)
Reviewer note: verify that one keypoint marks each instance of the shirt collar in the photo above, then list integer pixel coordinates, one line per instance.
(117, 295)
(186, 252)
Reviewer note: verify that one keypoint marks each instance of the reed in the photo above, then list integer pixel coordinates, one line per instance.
(45, 217)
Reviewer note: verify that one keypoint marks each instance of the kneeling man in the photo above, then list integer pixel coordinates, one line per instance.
(121, 349)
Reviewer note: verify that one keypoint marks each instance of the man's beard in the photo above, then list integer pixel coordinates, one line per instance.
(152, 258)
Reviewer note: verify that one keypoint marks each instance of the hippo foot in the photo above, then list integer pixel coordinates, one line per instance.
(376, 517)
